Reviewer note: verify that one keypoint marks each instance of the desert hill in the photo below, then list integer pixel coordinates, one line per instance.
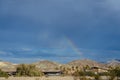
(50, 65)
(47, 65)
(86, 62)
(113, 63)
(7, 66)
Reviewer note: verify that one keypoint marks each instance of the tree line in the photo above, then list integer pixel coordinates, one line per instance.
(24, 70)
(112, 72)
(31, 71)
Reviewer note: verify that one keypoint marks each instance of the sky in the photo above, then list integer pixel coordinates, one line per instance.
(59, 30)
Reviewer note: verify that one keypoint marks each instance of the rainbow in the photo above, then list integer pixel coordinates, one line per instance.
(72, 46)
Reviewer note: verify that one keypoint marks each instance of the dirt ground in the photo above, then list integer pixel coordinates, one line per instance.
(53, 78)
(40, 78)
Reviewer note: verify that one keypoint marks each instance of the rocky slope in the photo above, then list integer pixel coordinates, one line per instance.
(85, 62)
(7, 66)
(114, 63)
(47, 65)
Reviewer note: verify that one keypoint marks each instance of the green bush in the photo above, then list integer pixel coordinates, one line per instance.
(83, 73)
(3, 74)
(104, 74)
(114, 72)
(89, 73)
(28, 70)
(96, 77)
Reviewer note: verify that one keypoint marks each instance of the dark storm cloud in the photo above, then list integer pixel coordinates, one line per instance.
(37, 24)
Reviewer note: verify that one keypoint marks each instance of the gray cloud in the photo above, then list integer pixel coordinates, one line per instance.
(90, 24)
(43, 21)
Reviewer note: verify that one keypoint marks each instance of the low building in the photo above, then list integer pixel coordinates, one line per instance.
(52, 72)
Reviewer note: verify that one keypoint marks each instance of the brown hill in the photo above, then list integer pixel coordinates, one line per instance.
(7, 66)
(47, 65)
(85, 62)
(113, 63)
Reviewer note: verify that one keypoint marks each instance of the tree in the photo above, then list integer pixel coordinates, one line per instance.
(77, 68)
(96, 76)
(28, 70)
(3, 74)
(114, 72)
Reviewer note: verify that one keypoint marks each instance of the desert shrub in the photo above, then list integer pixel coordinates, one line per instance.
(104, 74)
(83, 73)
(78, 73)
(114, 72)
(3, 74)
(96, 76)
(28, 70)
(89, 73)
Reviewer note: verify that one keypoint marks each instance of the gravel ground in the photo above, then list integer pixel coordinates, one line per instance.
(53, 78)
(40, 78)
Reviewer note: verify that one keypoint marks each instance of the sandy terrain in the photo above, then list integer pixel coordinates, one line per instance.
(52, 78)
(39, 78)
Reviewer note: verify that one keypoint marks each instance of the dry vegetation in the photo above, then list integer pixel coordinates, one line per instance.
(75, 70)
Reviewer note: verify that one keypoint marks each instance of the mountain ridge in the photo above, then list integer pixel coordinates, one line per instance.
(52, 65)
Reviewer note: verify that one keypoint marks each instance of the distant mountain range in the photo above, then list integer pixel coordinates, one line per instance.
(114, 63)
(83, 63)
(49, 65)
(117, 60)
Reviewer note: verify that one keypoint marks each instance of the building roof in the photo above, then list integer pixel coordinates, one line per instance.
(51, 71)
